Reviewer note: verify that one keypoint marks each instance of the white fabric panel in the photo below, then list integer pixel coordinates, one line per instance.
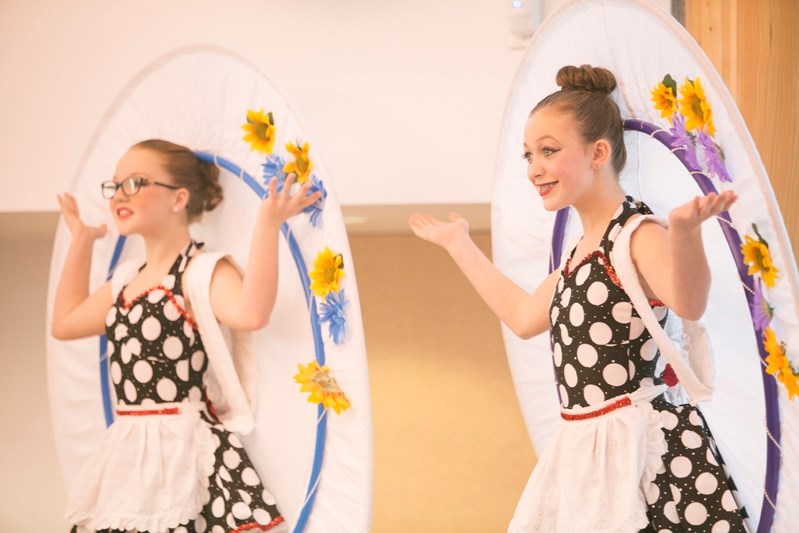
(199, 97)
(640, 43)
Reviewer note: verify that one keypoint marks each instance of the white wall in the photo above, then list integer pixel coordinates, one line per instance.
(404, 99)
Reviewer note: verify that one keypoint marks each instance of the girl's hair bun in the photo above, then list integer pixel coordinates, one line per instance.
(585, 95)
(586, 78)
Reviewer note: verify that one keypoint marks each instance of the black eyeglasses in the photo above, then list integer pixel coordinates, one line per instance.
(130, 186)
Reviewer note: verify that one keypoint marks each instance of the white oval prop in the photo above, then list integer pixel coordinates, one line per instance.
(318, 464)
(751, 415)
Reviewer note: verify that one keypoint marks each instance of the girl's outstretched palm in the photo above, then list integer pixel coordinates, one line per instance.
(691, 214)
(444, 234)
(69, 209)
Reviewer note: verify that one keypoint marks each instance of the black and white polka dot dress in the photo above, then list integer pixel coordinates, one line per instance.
(602, 350)
(157, 359)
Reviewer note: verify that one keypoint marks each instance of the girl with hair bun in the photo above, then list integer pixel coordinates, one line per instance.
(624, 457)
(172, 461)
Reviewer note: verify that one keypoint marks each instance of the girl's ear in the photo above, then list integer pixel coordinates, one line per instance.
(601, 153)
(181, 200)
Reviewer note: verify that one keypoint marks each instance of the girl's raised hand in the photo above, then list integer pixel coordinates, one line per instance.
(69, 209)
(444, 234)
(280, 206)
(691, 214)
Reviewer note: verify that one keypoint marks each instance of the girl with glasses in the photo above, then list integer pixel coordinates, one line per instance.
(172, 461)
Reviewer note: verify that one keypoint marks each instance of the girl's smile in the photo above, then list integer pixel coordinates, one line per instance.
(545, 188)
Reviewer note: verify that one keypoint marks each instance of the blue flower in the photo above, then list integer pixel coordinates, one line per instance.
(273, 168)
(315, 209)
(712, 157)
(332, 311)
(682, 139)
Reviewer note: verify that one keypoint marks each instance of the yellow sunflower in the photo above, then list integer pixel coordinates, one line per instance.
(757, 256)
(260, 128)
(301, 165)
(323, 388)
(694, 106)
(665, 100)
(327, 273)
(777, 363)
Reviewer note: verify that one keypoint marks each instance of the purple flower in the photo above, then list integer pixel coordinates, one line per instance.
(761, 310)
(682, 139)
(712, 157)
(332, 311)
(315, 209)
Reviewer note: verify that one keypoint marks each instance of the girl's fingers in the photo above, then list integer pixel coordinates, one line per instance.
(729, 199)
(289, 182)
(310, 199)
(65, 200)
(423, 222)
(302, 193)
(69, 207)
(706, 206)
(714, 204)
(418, 221)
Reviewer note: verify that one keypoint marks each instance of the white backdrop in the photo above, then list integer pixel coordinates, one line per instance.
(388, 89)
(371, 79)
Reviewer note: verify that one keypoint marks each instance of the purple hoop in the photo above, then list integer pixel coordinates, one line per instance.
(771, 486)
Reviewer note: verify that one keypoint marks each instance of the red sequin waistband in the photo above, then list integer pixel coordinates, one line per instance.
(148, 412)
(624, 401)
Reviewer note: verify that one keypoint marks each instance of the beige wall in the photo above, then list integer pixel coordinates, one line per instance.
(31, 495)
(451, 450)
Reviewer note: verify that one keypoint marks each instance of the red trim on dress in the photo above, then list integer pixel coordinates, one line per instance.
(253, 526)
(127, 305)
(621, 402)
(599, 254)
(603, 260)
(148, 412)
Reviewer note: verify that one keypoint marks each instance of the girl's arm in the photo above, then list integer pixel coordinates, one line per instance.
(525, 314)
(76, 313)
(672, 263)
(246, 302)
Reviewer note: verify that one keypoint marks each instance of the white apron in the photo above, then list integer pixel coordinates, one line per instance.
(595, 473)
(149, 473)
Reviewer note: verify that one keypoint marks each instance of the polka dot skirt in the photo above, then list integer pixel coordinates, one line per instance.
(156, 355)
(601, 350)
